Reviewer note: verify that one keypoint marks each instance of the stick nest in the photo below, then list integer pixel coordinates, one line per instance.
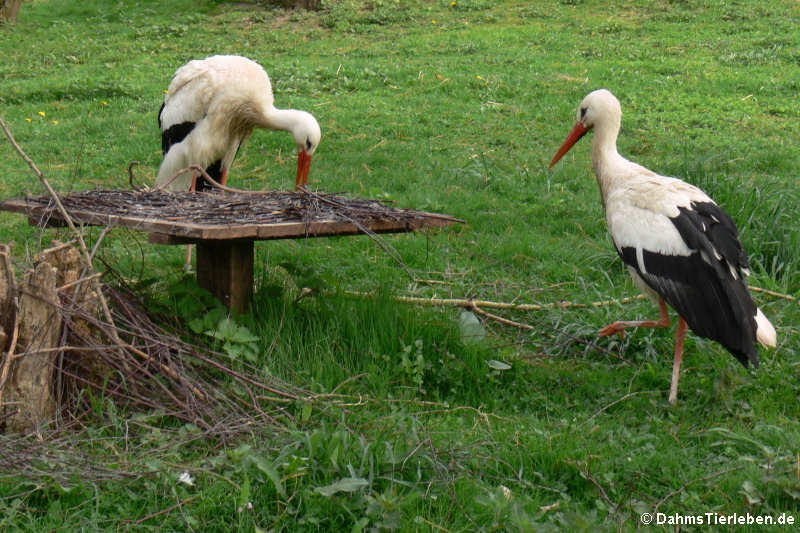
(232, 208)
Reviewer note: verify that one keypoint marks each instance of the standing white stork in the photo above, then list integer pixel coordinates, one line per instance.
(210, 110)
(680, 247)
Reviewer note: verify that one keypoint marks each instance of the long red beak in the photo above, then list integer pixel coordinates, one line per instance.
(303, 168)
(574, 136)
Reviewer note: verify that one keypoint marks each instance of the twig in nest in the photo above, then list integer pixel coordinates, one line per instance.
(202, 172)
(391, 252)
(130, 175)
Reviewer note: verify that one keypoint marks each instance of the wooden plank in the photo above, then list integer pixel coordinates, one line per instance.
(294, 230)
(226, 270)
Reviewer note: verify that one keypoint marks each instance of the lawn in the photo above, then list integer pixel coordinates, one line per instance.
(412, 417)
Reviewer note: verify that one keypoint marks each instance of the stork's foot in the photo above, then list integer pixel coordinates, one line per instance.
(621, 325)
(617, 327)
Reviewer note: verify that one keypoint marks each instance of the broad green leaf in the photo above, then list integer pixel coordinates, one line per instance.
(498, 365)
(346, 484)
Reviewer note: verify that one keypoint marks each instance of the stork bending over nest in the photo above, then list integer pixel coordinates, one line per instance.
(210, 110)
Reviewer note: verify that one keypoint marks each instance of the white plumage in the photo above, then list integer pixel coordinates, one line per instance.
(209, 111)
(680, 247)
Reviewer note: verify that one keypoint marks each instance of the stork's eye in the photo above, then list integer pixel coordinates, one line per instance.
(308, 144)
(583, 112)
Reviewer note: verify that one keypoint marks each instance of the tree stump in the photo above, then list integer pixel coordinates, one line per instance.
(28, 400)
(9, 9)
(32, 323)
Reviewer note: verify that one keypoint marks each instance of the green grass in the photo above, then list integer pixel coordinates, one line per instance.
(453, 107)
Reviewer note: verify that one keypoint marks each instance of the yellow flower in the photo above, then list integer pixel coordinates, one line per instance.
(453, 4)
(55, 123)
(479, 77)
(27, 119)
(104, 102)
(42, 113)
(433, 21)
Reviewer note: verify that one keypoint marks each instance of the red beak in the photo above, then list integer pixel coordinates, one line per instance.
(574, 136)
(303, 168)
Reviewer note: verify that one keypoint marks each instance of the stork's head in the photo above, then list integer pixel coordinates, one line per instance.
(307, 134)
(599, 108)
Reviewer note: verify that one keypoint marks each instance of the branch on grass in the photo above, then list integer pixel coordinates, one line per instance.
(164, 511)
(584, 470)
(774, 294)
(615, 402)
(686, 485)
(471, 302)
(500, 319)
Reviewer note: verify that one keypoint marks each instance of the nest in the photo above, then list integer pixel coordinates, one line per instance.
(231, 208)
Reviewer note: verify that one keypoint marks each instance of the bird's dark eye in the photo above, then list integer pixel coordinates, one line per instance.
(583, 112)
(308, 144)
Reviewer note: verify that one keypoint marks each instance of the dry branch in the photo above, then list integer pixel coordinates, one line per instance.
(473, 303)
(78, 235)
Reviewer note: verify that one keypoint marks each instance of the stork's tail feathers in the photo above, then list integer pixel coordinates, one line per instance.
(765, 331)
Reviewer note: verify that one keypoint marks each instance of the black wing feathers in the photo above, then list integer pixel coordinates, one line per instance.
(705, 226)
(175, 133)
(701, 287)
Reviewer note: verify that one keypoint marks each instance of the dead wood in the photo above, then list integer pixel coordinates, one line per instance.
(7, 295)
(29, 402)
(9, 9)
(66, 348)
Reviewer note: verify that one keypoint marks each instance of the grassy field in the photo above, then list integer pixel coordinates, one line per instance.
(436, 424)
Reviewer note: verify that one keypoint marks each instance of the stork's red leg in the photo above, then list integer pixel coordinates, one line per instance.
(224, 177)
(680, 335)
(621, 325)
(187, 266)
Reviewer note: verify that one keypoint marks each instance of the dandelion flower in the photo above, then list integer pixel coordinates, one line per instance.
(28, 119)
(104, 102)
(55, 123)
(42, 114)
(453, 4)
(433, 21)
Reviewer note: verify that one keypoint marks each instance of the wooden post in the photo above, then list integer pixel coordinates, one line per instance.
(225, 268)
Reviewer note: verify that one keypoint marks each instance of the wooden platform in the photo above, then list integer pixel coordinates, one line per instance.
(225, 226)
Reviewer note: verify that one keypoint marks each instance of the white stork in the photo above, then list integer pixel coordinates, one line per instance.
(210, 110)
(680, 247)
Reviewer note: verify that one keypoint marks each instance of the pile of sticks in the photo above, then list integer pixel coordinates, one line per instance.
(56, 345)
(229, 208)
